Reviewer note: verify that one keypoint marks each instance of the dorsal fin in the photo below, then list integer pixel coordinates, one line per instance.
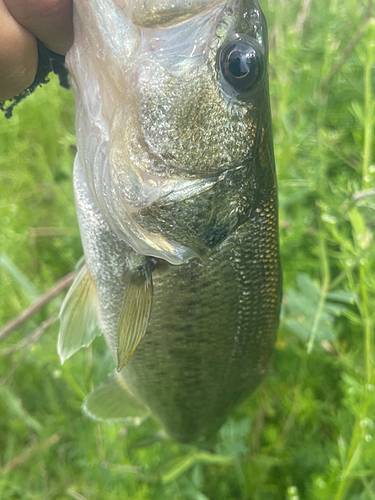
(78, 316)
(135, 312)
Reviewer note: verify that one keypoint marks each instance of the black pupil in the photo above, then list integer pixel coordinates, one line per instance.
(240, 64)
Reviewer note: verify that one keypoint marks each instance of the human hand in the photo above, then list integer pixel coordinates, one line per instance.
(21, 21)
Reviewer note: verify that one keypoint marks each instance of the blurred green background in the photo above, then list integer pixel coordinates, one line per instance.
(308, 431)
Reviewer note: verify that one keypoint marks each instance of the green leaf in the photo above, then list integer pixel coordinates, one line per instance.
(19, 276)
(344, 296)
(181, 464)
(232, 437)
(15, 408)
(309, 313)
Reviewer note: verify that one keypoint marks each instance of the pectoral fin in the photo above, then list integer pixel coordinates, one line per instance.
(135, 313)
(78, 317)
(113, 402)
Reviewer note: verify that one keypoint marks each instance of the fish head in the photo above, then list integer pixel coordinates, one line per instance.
(182, 104)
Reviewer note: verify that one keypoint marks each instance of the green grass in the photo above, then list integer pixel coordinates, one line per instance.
(308, 431)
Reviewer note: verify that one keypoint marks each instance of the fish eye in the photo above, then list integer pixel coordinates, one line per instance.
(240, 64)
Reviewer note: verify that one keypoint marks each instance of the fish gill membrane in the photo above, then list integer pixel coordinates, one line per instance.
(176, 198)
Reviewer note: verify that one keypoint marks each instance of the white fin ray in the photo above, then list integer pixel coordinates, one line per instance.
(78, 316)
(135, 314)
(113, 402)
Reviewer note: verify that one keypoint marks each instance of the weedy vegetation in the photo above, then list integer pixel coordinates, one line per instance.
(308, 431)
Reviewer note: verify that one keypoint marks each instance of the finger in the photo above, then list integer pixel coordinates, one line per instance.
(49, 20)
(18, 56)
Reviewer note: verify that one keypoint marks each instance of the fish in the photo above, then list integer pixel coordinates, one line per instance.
(176, 197)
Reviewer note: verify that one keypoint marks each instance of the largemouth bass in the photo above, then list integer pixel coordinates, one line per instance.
(177, 204)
